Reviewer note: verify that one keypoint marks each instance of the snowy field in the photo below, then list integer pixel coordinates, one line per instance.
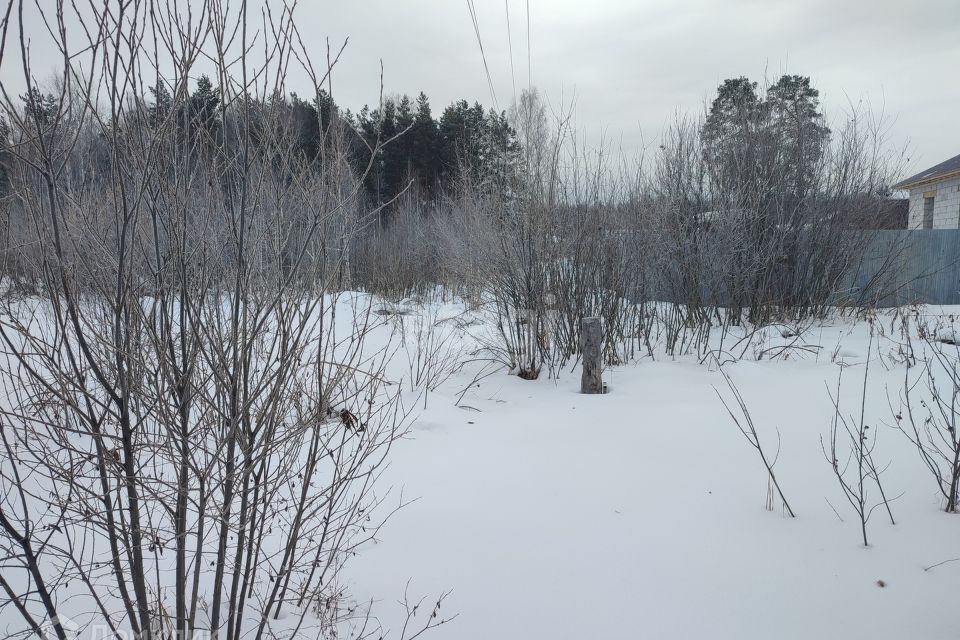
(641, 513)
(644, 512)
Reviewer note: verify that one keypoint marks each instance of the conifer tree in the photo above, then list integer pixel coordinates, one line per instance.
(204, 103)
(425, 150)
(793, 110)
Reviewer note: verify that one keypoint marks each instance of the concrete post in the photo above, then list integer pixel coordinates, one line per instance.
(591, 338)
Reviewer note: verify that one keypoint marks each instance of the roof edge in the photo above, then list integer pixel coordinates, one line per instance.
(909, 183)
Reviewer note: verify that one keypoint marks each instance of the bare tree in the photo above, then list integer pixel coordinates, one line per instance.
(196, 419)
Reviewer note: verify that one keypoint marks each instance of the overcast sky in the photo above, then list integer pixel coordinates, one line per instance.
(632, 64)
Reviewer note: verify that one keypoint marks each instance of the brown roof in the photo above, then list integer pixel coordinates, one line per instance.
(945, 168)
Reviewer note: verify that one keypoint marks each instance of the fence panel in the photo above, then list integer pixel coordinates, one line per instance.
(921, 266)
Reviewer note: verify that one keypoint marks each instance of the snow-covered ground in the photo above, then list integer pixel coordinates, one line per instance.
(640, 513)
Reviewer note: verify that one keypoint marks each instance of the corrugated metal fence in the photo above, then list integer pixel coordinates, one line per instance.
(921, 266)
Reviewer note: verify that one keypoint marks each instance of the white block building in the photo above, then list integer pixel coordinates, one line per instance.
(935, 196)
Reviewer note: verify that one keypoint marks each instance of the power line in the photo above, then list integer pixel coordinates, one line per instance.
(529, 73)
(513, 76)
(483, 55)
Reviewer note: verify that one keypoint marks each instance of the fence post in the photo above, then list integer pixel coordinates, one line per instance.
(591, 338)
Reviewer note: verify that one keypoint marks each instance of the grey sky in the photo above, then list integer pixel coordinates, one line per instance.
(630, 65)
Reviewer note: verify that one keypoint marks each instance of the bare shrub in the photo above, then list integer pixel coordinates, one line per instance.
(433, 345)
(928, 415)
(854, 466)
(195, 418)
(749, 431)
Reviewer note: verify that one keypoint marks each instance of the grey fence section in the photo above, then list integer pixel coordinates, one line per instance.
(906, 267)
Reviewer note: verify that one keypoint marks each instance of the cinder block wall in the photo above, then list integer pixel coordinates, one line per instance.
(946, 204)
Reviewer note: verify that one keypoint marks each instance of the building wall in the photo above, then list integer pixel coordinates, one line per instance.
(946, 204)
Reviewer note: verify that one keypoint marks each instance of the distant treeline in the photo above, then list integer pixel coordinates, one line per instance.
(466, 142)
(414, 150)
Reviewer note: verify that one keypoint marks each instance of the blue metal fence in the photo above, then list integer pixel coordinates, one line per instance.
(921, 266)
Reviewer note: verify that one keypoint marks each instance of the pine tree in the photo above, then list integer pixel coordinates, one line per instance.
(43, 107)
(745, 136)
(425, 147)
(451, 131)
(326, 109)
(502, 156)
(203, 106)
(162, 103)
(792, 107)
(400, 151)
(368, 131)
(388, 162)
(731, 133)
(307, 123)
(463, 129)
